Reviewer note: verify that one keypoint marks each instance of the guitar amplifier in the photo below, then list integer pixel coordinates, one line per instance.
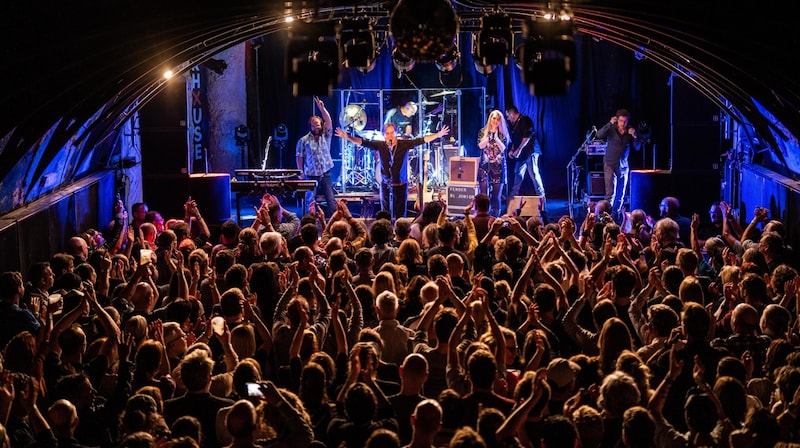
(464, 170)
(596, 148)
(596, 183)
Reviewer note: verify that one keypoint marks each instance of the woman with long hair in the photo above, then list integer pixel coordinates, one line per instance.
(492, 141)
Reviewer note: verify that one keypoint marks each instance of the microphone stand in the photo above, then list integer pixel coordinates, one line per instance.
(573, 170)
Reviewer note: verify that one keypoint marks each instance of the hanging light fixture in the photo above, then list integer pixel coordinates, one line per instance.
(449, 60)
(548, 58)
(357, 43)
(401, 62)
(312, 58)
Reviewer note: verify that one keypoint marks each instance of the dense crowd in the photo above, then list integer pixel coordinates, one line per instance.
(441, 330)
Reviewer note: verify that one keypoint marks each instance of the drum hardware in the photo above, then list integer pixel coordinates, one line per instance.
(353, 116)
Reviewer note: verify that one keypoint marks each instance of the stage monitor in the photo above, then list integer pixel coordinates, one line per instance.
(528, 206)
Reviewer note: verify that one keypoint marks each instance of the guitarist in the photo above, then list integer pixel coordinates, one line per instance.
(523, 153)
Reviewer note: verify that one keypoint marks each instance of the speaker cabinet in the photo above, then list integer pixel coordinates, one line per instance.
(595, 183)
(696, 131)
(162, 127)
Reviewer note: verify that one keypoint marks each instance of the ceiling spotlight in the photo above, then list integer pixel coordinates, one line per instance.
(424, 29)
(495, 39)
(312, 58)
(448, 61)
(357, 43)
(402, 62)
(549, 56)
(168, 74)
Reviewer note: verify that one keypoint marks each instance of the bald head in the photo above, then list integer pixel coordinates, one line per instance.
(142, 296)
(63, 418)
(333, 245)
(78, 246)
(744, 319)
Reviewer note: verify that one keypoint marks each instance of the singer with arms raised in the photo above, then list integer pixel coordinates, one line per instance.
(314, 154)
(393, 153)
(620, 139)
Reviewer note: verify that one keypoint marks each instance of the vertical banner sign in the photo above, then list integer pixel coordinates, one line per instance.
(198, 121)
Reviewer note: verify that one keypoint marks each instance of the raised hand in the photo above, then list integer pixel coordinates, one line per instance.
(341, 133)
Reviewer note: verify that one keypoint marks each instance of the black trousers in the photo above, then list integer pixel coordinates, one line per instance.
(399, 193)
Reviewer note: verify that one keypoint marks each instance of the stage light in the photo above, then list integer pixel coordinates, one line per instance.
(483, 69)
(643, 131)
(217, 66)
(548, 57)
(168, 74)
(357, 43)
(402, 62)
(423, 29)
(312, 58)
(448, 61)
(242, 135)
(493, 43)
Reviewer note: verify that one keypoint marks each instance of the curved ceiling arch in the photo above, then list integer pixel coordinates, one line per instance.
(70, 62)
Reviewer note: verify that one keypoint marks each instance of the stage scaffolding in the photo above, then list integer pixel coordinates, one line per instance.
(362, 112)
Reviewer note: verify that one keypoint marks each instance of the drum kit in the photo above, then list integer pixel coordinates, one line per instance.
(360, 164)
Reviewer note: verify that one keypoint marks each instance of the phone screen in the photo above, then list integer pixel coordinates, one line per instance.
(254, 390)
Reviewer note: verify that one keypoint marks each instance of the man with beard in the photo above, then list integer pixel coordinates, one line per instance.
(314, 154)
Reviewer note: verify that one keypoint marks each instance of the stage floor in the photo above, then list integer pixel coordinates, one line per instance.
(365, 204)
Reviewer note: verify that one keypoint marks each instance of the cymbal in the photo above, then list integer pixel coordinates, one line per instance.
(353, 116)
(429, 103)
(371, 134)
(443, 93)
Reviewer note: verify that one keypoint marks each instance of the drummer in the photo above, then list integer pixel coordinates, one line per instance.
(403, 119)
(393, 153)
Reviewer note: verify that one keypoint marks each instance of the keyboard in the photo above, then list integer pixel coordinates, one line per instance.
(275, 186)
(279, 173)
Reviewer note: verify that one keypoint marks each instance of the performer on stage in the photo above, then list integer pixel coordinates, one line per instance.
(403, 119)
(620, 138)
(492, 140)
(523, 153)
(314, 154)
(393, 154)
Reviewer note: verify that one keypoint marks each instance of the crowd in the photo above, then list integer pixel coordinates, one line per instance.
(482, 331)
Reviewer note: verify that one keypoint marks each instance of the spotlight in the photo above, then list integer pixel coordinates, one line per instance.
(485, 70)
(280, 133)
(241, 135)
(217, 66)
(643, 131)
(448, 61)
(548, 56)
(402, 62)
(494, 41)
(357, 43)
(424, 29)
(312, 58)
